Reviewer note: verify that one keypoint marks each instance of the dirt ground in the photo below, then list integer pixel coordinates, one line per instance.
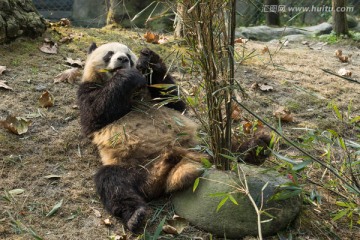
(53, 162)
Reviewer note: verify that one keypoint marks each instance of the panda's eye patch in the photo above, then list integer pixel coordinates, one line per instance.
(108, 56)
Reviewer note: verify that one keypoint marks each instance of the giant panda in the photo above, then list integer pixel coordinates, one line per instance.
(144, 146)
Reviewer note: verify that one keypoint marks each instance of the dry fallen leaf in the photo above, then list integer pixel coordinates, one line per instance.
(338, 53)
(75, 63)
(176, 225)
(265, 50)
(169, 229)
(52, 176)
(69, 75)
(163, 40)
(107, 222)
(284, 115)
(265, 87)
(49, 47)
(2, 69)
(17, 125)
(3, 85)
(236, 112)
(151, 37)
(344, 72)
(241, 40)
(341, 57)
(118, 237)
(344, 59)
(46, 99)
(97, 213)
(247, 126)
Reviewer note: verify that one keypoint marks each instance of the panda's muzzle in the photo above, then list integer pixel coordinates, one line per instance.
(122, 63)
(123, 59)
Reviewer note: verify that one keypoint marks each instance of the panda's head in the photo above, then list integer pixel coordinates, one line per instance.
(103, 61)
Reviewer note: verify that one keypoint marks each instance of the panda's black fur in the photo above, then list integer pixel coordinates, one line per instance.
(102, 98)
(144, 149)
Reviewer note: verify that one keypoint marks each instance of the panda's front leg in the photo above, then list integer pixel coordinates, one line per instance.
(156, 72)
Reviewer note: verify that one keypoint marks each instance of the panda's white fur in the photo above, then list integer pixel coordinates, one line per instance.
(145, 150)
(96, 69)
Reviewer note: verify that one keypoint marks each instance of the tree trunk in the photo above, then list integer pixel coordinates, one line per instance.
(19, 18)
(340, 24)
(179, 24)
(272, 13)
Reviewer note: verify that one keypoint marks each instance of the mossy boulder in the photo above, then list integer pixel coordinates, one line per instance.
(19, 18)
(237, 221)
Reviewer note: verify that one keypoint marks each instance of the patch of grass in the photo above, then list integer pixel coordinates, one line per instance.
(355, 36)
(293, 106)
(34, 70)
(15, 62)
(330, 38)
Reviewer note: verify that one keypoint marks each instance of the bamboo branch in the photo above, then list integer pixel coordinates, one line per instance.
(331, 169)
(343, 77)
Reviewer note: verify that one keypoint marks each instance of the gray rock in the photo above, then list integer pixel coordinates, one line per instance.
(236, 221)
(322, 28)
(265, 33)
(294, 38)
(356, 29)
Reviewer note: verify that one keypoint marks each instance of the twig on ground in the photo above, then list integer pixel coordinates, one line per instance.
(346, 78)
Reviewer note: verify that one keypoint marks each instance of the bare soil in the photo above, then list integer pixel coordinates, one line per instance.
(54, 144)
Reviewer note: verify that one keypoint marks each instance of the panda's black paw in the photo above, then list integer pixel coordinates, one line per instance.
(137, 220)
(131, 76)
(147, 59)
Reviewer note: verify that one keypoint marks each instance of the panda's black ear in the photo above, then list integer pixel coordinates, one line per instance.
(92, 47)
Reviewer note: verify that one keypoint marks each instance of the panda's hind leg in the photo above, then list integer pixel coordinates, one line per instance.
(185, 172)
(118, 188)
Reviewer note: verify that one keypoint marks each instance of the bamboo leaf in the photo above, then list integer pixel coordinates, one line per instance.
(265, 185)
(355, 119)
(229, 157)
(220, 194)
(206, 163)
(281, 157)
(55, 208)
(285, 194)
(233, 199)
(222, 202)
(159, 229)
(341, 204)
(342, 143)
(301, 165)
(162, 86)
(337, 112)
(340, 214)
(142, 11)
(196, 184)
(16, 191)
